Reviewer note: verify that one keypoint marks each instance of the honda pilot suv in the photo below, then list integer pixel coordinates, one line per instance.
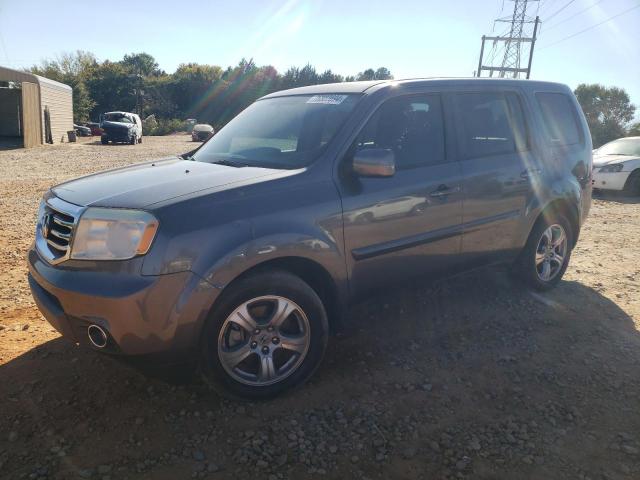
(240, 257)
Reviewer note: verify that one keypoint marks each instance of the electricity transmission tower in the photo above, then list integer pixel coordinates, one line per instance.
(511, 44)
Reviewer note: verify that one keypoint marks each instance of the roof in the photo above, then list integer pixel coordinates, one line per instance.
(361, 87)
(344, 87)
(11, 75)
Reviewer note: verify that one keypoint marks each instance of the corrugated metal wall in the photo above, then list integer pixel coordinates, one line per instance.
(56, 95)
(31, 129)
(60, 103)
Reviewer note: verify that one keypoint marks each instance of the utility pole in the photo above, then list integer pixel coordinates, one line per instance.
(510, 44)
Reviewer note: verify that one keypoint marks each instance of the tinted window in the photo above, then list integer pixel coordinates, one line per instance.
(410, 126)
(492, 124)
(559, 118)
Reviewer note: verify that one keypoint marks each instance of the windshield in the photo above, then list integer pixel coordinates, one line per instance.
(622, 146)
(117, 117)
(281, 132)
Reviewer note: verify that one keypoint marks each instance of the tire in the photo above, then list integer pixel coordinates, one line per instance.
(140, 139)
(260, 296)
(133, 140)
(530, 265)
(104, 140)
(632, 185)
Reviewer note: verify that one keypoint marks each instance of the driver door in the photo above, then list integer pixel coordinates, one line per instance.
(408, 224)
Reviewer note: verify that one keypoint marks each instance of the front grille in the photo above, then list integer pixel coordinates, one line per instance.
(55, 229)
(58, 230)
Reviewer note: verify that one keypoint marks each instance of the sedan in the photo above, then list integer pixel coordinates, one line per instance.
(82, 131)
(616, 166)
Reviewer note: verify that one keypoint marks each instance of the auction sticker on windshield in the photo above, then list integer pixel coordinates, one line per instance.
(327, 99)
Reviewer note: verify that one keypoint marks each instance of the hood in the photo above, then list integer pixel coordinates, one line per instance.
(599, 161)
(142, 185)
(110, 124)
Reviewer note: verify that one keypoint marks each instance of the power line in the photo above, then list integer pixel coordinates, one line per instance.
(561, 9)
(590, 28)
(574, 15)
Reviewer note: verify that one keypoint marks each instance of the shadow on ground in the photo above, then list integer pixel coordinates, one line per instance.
(473, 377)
(616, 197)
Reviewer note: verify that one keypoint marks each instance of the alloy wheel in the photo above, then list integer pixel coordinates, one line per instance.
(551, 252)
(264, 340)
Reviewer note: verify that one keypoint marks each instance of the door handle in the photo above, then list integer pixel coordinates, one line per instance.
(443, 191)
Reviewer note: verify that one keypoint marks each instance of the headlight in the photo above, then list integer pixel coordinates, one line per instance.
(113, 234)
(614, 167)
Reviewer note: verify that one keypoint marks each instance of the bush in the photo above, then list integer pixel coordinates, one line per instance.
(163, 126)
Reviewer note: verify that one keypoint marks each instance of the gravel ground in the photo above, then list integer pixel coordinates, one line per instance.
(428, 383)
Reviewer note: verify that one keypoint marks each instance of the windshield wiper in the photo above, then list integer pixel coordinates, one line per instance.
(229, 163)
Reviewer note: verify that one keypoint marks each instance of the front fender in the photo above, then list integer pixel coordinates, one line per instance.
(316, 248)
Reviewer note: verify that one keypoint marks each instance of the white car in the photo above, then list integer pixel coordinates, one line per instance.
(616, 165)
(201, 132)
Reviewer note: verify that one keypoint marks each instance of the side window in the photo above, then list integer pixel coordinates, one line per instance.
(492, 124)
(559, 118)
(411, 126)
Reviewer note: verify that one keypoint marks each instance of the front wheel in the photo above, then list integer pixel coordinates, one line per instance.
(545, 257)
(267, 334)
(632, 185)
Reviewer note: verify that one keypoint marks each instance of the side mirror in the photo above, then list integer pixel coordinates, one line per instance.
(374, 162)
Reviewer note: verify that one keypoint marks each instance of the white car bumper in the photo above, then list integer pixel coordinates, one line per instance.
(609, 181)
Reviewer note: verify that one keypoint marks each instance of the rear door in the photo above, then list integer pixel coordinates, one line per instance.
(498, 168)
(408, 224)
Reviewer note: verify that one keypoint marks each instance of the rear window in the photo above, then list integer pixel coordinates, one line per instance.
(559, 118)
(492, 124)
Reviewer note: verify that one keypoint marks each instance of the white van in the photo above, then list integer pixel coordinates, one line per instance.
(121, 127)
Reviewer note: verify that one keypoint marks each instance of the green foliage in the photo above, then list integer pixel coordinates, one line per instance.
(608, 111)
(163, 126)
(72, 69)
(381, 73)
(634, 130)
(206, 92)
(141, 64)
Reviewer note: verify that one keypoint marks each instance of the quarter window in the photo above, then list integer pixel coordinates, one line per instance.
(412, 127)
(492, 124)
(559, 118)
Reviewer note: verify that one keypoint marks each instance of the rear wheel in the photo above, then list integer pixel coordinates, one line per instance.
(133, 140)
(267, 334)
(632, 185)
(545, 257)
(104, 140)
(140, 139)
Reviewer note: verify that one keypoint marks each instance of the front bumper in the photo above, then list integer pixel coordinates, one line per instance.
(117, 135)
(610, 181)
(158, 317)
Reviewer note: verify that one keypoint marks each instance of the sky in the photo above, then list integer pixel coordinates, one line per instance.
(413, 38)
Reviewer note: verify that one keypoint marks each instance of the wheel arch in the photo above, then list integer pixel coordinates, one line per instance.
(565, 208)
(311, 272)
(633, 175)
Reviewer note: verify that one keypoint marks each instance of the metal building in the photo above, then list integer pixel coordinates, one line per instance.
(33, 109)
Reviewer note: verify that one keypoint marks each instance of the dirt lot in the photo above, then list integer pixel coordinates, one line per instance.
(473, 377)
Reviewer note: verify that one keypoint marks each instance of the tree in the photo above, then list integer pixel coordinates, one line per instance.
(141, 64)
(112, 88)
(381, 73)
(607, 110)
(634, 130)
(72, 68)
